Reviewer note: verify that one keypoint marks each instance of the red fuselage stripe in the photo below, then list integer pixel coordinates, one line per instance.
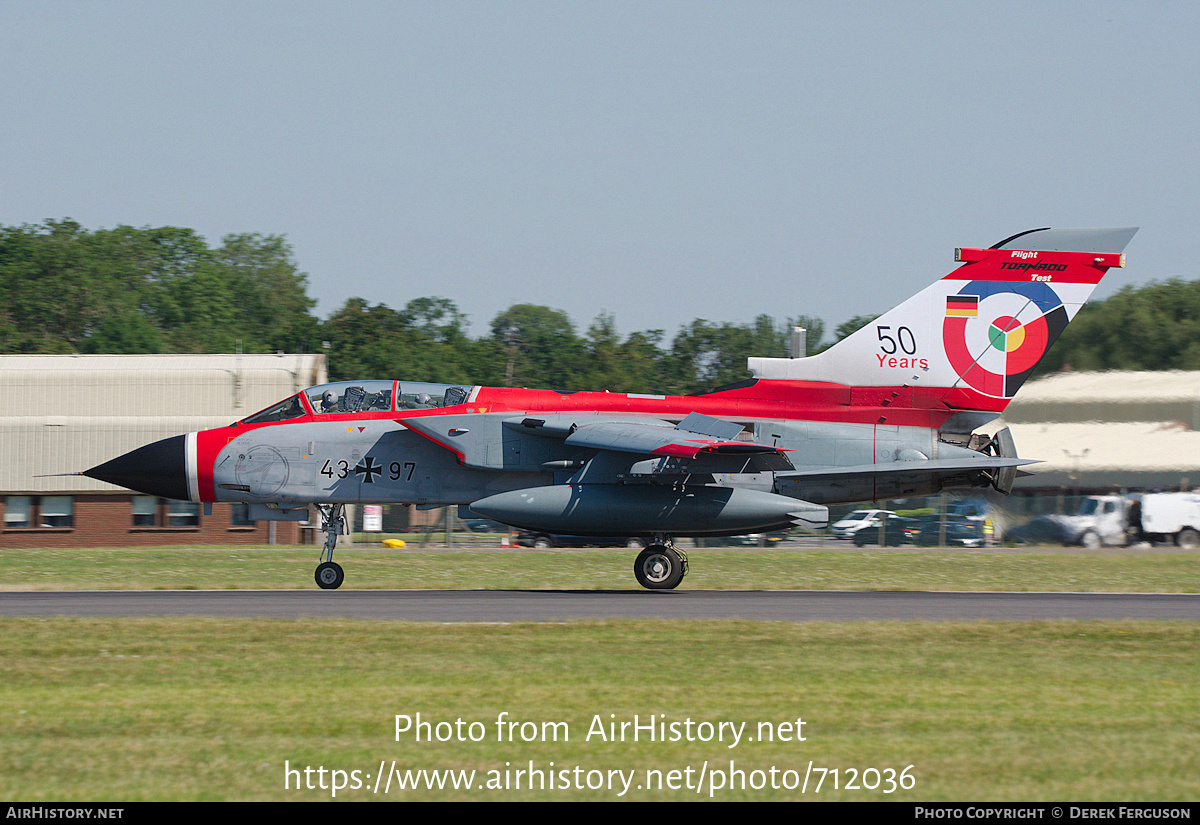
(764, 400)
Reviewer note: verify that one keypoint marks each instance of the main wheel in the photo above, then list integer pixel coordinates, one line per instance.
(330, 575)
(1091, 540)
(658, 567)
(1187, 538)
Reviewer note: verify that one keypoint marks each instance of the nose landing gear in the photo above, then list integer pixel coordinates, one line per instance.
(329, 575)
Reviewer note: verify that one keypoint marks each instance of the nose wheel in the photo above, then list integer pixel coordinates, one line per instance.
(329, 575)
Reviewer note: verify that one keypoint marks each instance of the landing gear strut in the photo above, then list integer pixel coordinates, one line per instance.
(660, 566)
(329, 574)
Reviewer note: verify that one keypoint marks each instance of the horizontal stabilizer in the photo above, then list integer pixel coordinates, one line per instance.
(943, 465)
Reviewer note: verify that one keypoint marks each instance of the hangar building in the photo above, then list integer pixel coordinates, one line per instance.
(60, 414)
(1104, 431)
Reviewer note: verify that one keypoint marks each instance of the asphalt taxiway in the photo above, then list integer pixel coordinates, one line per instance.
(558, 605)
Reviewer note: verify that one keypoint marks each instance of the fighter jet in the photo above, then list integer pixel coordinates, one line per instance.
(888, 412)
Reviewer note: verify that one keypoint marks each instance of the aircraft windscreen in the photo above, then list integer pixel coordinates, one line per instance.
(283, 411)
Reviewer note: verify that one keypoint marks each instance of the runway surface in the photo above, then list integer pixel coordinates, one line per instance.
(545, 606)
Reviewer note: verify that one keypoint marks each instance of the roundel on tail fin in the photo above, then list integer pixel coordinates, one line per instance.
(995, 332)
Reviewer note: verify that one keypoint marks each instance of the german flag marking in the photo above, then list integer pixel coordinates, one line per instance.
(962, 306)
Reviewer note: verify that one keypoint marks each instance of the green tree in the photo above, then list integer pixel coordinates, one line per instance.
(50, 298)
(127, 333)
(706, 355)
(64, 289)
(645, 363)
(425, 341)
(539, 347)
(848, 328)
(268, 293)
(366, 342)
(1155, 327)
(606, 368)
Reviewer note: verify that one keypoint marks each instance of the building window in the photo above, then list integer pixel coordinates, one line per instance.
(239, 515)
(145, 511)
(183, 514)
(18, 511)
(58, 511)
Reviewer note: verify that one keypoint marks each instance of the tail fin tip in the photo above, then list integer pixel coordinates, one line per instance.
(1047, 239)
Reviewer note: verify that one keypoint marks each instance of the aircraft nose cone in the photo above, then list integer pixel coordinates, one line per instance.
(158, 469)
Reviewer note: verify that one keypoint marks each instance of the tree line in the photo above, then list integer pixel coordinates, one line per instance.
(65, 289)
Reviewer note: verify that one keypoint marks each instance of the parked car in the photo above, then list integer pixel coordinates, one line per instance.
(959, 533)
(846, 528)
(897, 530)
(967, 510)
(485, 525)
(530, 538)
(747, 540)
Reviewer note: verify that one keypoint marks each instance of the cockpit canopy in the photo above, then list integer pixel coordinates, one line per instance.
(351, 397)
(364, 396)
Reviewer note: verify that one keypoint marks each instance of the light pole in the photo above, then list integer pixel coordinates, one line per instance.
(1076, 458)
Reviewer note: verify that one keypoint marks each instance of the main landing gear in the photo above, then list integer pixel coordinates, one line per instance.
(660, 566)
(329, 574)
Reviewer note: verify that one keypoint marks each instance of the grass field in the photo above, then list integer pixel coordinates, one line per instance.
(181, 709)
(212, 709)
(207, 569)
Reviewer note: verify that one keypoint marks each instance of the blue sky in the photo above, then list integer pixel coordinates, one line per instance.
(659, 161)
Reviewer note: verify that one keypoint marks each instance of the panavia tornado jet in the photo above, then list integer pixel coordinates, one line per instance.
(888, 412)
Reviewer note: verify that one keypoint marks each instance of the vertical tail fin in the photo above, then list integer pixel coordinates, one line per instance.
(971, 339)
